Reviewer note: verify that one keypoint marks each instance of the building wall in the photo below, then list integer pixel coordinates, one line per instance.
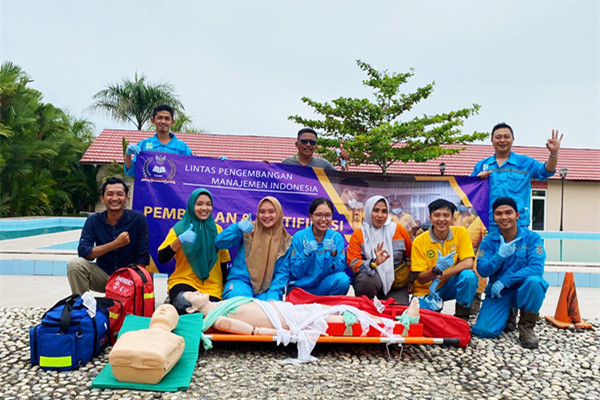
(581, 209)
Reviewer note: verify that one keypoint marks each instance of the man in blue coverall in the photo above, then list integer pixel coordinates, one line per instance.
(163, 140)
(513, 259)
(510, 174)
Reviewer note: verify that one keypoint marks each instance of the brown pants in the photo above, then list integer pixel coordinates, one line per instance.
(85, 275)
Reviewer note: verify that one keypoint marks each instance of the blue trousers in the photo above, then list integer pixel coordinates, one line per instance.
(334, 284)
(528, 296)
(461, 287)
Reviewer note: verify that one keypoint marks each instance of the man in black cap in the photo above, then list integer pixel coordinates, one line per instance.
(513, 259)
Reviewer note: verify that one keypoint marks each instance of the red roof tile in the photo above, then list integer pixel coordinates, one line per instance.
(583, 164)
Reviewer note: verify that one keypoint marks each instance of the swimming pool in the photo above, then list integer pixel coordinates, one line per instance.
(18, 228)
(581, 247)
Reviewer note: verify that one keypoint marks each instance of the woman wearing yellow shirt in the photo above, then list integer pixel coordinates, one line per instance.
(192, 242)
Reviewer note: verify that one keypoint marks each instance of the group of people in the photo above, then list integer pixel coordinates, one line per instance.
(438, 265)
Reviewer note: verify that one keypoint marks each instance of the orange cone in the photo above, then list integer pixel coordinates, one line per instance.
(567, 310)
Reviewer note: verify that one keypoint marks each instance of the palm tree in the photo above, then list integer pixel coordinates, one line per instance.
(134, 100)
(40, 148)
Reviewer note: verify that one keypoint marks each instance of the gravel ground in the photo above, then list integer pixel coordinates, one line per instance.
(566, 366)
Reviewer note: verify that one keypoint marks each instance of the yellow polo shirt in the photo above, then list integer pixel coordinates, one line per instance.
(424, 253)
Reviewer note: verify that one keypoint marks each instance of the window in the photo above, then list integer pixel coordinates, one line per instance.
(538, 209)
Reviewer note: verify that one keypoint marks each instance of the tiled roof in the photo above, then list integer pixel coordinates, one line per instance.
(583, 164)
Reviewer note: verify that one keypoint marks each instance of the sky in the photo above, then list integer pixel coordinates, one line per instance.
(242, 67)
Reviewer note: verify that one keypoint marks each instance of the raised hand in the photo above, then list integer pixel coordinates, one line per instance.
(343, 156)
(507, 249)
(123, 239)
(443, 262)
(381, 255)
(132, 149)
(310, 247)
(553, 144)
(329, 245)
(246, 225)
(188, 236)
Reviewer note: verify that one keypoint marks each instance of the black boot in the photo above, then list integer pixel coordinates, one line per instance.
(476, 304)
(462, 312)
(511, 323)
(526, 334)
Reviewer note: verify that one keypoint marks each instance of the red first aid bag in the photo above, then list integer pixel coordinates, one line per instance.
(134, 288)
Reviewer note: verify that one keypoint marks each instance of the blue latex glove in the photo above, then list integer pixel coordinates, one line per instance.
(310, 247)
(342, 161)
(222, 158)
(507, 249)
(246, 225)
(188, 236)
(496, 289)
(443, 262)
(133, 149)
(329, 245)
(432, 301)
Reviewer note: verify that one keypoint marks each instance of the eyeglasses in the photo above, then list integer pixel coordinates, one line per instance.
(323, 216)
(307, 141)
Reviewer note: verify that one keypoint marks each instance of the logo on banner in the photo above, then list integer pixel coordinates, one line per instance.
(159, 169)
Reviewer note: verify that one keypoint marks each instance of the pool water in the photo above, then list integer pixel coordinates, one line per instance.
(583, 247)
(63, 246)
(33, 232)
(25, 227)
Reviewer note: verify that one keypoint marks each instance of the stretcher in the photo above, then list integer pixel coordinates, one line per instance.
(336, 334)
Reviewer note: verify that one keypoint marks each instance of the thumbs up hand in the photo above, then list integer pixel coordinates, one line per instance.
(246, 225)
(188, 236)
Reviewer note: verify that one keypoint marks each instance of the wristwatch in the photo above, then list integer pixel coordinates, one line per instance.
(436, 271)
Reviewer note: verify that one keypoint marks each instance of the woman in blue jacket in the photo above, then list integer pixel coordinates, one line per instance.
(317, 262)
(260, 268)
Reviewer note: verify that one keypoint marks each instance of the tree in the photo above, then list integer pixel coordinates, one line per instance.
(135, 100)
(372, 132)
(40, 148)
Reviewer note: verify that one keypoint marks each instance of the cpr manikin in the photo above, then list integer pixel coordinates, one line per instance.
(290, 323)
(147, 355)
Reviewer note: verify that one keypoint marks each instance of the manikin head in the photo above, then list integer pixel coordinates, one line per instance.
(191, 302)
(165, 317)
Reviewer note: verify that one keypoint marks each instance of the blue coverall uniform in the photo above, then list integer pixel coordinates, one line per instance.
(512, 179)
(521, 274)
(153, 143)
(321, 273)
(238, 278)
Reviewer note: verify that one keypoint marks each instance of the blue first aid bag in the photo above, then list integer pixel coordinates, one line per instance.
(68, 336)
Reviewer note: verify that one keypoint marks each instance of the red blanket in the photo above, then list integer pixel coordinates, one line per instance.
(435, 325)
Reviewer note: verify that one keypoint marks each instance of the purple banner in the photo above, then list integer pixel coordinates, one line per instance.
(164, 182)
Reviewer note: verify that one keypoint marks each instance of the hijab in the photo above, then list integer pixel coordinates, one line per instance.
(263, 247)
(202, 254)
(373, 236)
